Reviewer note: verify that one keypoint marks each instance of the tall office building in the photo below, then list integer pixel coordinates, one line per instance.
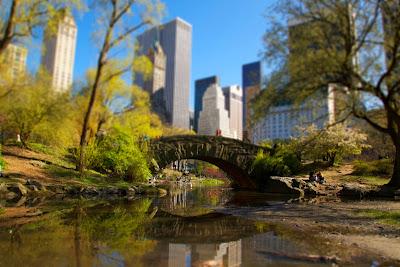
(200, 88)
(323, 107)
(213, 117)
(252, 81)
(155, 84)
(175, 38)
(234, 105)
(15, 58)
(59, 52)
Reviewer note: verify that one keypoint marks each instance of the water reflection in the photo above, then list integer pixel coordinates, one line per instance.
(182, 229)
(187, 201)
(222, 254)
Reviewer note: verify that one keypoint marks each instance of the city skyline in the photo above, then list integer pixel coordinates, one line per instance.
(175, 38)
(223, 48)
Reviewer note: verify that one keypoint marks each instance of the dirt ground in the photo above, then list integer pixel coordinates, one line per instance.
(337, 222)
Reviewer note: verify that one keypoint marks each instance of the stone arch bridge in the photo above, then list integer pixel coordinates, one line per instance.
(232, 156)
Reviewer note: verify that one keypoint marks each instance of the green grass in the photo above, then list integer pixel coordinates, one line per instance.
(211, 182)
(381, 167)
(386, 217)
(90, 178)
(2, 210)
(367, 180)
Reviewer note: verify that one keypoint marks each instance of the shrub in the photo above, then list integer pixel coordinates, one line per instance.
(381, 167)
(265, 166)
(118, 154)
(2, 162)
(289, 158)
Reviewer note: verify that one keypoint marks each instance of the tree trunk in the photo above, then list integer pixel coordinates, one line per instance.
(100, 64)
(9, 30)
(395, 180)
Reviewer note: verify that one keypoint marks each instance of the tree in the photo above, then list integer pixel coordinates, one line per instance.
(31, 106)
(119, 27)
(20, 18)
(331, 144)
(118, 154)
(342, 43)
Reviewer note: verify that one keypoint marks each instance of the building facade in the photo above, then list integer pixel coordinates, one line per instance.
(214, 118)
(175, 38)
(234, 105)
(15, 58)
(58, 56)
(155, 85)
(282, 121)
(200, 88)
(251, 84)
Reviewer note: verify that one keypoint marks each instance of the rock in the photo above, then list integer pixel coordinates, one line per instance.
(57, 189)
(3, 189)
(38, 163)
(355, 191)
(33, 188)
(18, 188)
(91, 191)
(73, 190)
(19, 180)
(37, 184)
(5, 193)
(282, 185)
(130, 191)
(21, 202)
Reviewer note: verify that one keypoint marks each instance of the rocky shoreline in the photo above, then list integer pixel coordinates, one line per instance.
(18, 188)
(300, 188)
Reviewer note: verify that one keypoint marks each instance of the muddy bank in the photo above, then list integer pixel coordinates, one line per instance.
(343, 227)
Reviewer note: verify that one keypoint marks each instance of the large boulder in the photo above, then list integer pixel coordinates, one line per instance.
(291, 186)
(354, 191)
(282, 185)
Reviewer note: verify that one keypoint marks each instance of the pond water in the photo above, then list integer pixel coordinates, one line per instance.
(189, 227)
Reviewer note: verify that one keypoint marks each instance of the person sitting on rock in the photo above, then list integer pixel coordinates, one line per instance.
(320, 178)
(312, 177)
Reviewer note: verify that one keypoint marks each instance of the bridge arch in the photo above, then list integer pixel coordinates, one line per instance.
(232, 156)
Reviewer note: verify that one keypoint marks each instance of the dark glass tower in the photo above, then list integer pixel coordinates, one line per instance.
(251, 79)
(200, 88)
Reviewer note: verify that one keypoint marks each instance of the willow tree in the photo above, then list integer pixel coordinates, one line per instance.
(118, 21)
(353, 44)
(20, 18)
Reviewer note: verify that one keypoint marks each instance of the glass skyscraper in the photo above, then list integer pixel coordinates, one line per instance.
(175, 38)
(200, 88)
(251, 79)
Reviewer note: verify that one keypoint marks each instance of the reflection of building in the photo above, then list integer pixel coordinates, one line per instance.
(200, 88)
(175, 38)
(257, 248)
(234, 106)
(59, 52)
(223, 254)
(251, 79)
(213, 117)
(15, 58)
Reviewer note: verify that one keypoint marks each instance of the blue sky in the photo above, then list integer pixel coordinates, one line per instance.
(226, 35)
